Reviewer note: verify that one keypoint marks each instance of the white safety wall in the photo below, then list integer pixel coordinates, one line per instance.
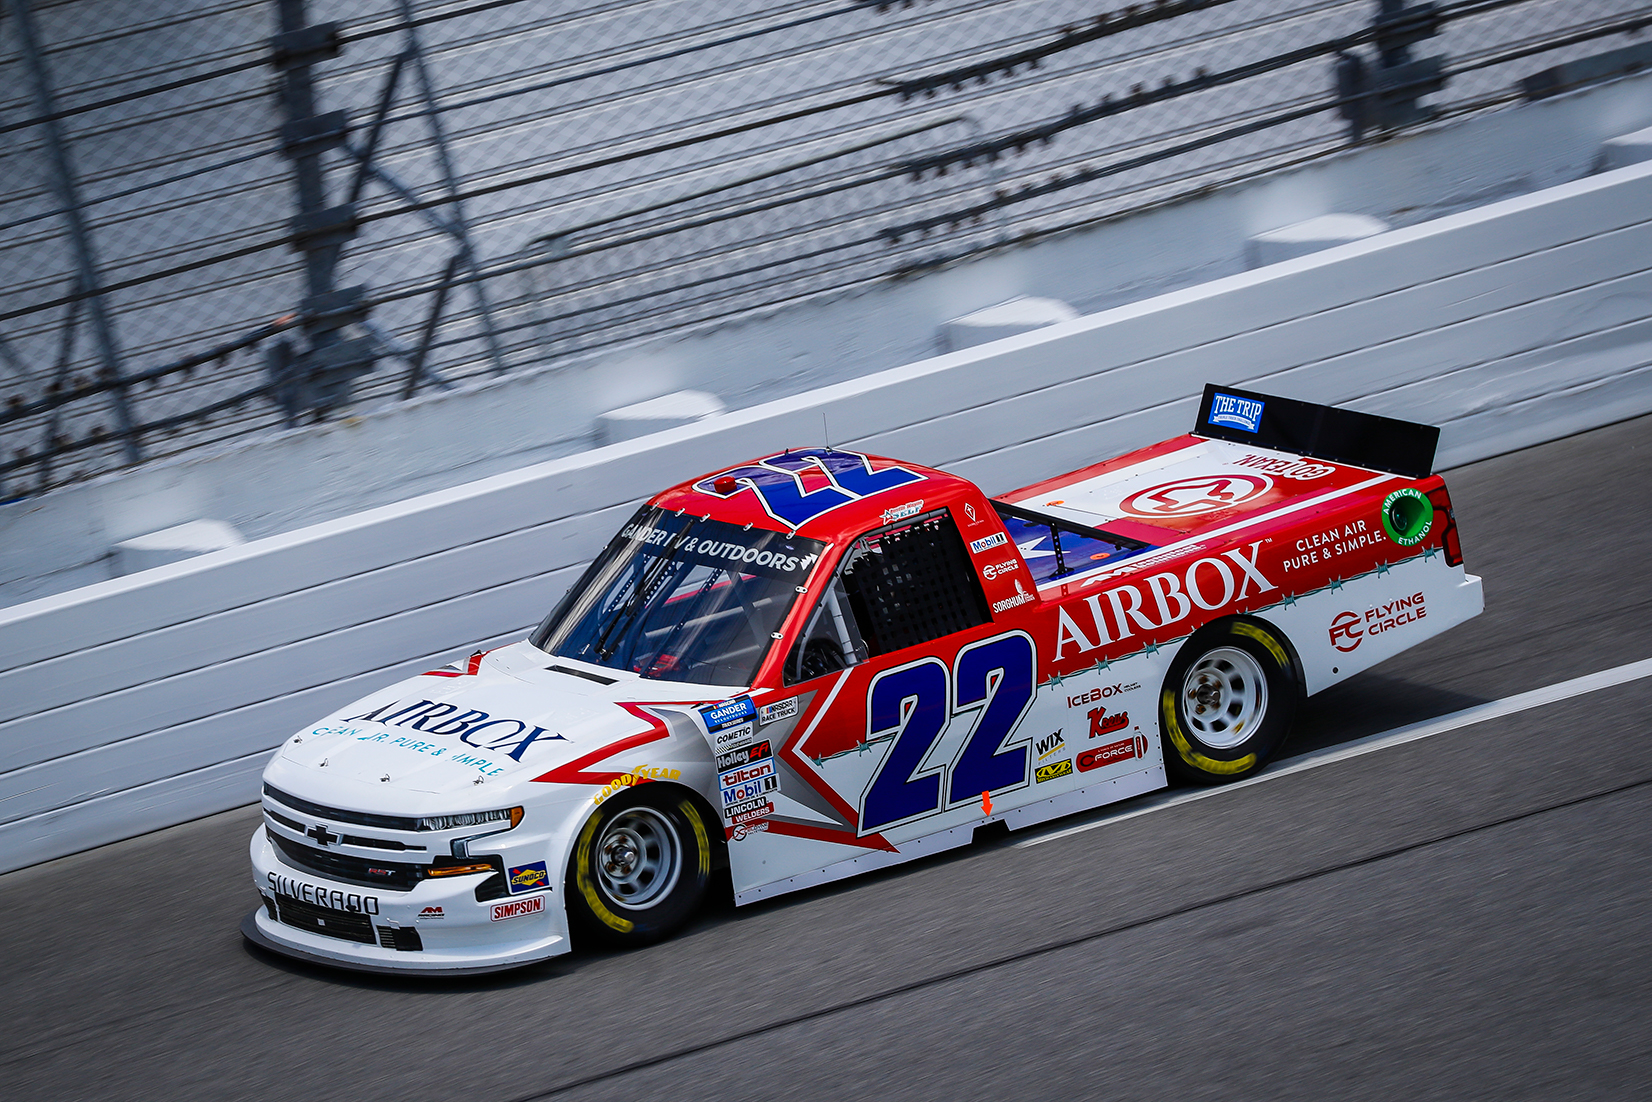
(152, 699)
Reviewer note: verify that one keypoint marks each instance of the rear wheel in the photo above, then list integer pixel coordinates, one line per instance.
(1227, 701)
(639, 867)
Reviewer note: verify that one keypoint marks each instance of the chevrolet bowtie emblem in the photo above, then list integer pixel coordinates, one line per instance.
(322, 836)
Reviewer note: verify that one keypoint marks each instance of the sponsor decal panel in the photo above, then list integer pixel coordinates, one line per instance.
(778, 711)
(987, 543)
(730, 737)
(516, 908)
(745, 755)
(1236, 412)
(1049, 745)
(1190, 497)
(1021, 597)
(749, 811)
(1323, 546)
(1103, 724)
(745, 830)
(1098, 757)
(472, 727)
(1302, 470)
(1151, 604)
(638, 774)
(1055, 769)
(528, 878)
(728, 713)
(1101, 692)
(901, 512)
(1349, 629)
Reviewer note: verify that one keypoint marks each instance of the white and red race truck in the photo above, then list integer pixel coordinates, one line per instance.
(822, 662)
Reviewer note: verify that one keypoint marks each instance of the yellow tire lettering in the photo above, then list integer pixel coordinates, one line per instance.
(593, 898)
(1185, 749)
(1251, 631)
(693, 814)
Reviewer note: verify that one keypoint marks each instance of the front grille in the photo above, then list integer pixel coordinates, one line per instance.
(403, 940)
(369, 872)
(341, 815)
(324, 920)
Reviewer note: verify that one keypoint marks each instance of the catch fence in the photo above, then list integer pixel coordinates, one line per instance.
(225, 217)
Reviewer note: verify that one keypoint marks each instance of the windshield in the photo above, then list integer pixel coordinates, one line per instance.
(678, 598)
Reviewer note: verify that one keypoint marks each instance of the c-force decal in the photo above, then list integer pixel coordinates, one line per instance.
(798, 486)
(913, 705)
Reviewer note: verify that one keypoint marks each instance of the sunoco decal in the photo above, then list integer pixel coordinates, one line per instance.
(527, 878)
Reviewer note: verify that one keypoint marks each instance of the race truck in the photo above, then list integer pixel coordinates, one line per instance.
(822, 662)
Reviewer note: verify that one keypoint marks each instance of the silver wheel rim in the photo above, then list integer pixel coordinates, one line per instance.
(638, 858)
(1224, 697)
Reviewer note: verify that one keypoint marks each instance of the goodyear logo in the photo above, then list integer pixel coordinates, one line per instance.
(1053, 770)
(528, 878)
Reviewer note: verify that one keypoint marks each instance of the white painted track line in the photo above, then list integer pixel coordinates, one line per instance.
(1480, 713)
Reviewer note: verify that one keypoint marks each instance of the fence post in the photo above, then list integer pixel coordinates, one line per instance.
(66, 185)
(320, 377)
(1384, 94)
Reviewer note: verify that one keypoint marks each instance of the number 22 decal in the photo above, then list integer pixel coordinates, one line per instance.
(911, 702)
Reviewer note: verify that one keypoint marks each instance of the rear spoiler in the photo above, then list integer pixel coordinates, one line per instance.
(1322, 432)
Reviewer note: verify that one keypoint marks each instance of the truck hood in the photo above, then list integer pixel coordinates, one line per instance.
(476, 727)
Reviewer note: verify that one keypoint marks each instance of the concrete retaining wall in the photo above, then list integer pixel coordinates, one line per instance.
(155, 698)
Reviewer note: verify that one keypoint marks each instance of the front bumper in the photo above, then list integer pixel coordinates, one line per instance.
(455, 934)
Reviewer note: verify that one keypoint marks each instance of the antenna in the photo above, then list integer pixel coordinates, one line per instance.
(825, 432)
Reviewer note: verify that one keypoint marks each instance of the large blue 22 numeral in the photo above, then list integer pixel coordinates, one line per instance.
(911, 703)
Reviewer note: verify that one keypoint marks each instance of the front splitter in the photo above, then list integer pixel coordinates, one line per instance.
(250, 931)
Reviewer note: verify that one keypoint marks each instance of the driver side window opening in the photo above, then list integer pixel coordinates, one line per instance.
(896, 587)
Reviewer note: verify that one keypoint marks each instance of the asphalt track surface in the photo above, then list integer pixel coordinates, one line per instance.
(1467, 915)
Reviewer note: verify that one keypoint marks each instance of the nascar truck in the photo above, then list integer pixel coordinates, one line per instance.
(822, 662)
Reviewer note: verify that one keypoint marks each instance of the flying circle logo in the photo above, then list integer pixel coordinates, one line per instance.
(1346, 632)
(1191, 496)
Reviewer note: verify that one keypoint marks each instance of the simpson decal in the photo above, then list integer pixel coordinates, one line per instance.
(516, 908)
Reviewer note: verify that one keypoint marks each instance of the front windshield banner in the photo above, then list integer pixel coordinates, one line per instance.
(677, 598)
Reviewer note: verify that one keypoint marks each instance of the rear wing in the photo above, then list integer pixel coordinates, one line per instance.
(1322, 432)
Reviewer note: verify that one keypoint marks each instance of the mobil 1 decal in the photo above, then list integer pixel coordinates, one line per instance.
(987, 689)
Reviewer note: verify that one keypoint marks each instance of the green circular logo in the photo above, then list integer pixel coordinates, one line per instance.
(1407, 515)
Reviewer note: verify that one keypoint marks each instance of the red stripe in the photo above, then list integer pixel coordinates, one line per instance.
(574, 772)
(824, 834)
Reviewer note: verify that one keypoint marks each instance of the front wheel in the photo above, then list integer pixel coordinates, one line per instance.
(1227, 701)
(639, 867)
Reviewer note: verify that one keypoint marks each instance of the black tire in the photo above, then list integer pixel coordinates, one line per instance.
(1227, 701)
(640, 866)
